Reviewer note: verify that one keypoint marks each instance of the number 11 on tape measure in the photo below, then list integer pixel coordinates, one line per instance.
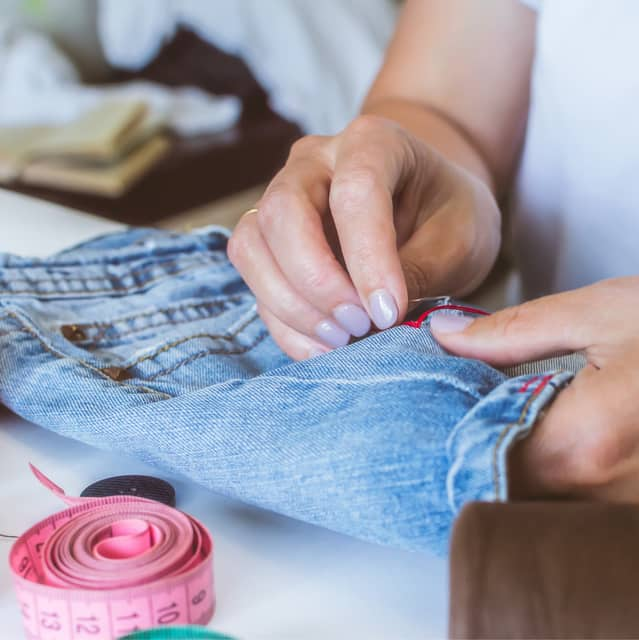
(107, 567)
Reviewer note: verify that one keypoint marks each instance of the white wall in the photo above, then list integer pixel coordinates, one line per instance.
(71, 22)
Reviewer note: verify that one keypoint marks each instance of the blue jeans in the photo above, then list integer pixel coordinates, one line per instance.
(148, 342)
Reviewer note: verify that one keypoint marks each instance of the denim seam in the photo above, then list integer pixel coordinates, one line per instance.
(115, 287)
(143, 314)
(220, 305)
(414, 376)
(202, 354)
(507, 429)
(133, 251)
(49, 349)
(175, 343)
(243, 321)
(130, 273)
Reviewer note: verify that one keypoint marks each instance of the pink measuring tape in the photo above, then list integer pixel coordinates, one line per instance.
(107, 567)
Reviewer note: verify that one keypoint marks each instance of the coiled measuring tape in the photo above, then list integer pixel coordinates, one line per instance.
(107, 567)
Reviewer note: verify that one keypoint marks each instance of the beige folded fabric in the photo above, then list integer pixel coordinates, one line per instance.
(110, 179)
(16, 145)
(103, 133)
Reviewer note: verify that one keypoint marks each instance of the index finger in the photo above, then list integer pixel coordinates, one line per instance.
(291, 216)
(373, 160)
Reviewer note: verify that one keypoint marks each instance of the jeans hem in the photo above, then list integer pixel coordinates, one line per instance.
(478, 446)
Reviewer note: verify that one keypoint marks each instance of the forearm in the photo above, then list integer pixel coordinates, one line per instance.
(438, 131)
(457, 75)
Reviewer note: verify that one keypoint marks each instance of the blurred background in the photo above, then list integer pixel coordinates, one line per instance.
(175, 112)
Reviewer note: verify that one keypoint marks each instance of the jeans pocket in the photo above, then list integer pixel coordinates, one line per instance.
(181, 341)
(141, 307)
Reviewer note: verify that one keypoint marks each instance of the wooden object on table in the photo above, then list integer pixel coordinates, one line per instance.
(545, 570)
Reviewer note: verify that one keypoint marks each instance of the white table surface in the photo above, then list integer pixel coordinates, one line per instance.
(275, 577)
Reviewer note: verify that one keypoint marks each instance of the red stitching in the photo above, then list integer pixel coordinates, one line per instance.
(416, 324)
(524, 387)
(543, 382)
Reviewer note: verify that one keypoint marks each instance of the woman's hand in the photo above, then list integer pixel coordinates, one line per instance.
(588, 442)
(353, 227)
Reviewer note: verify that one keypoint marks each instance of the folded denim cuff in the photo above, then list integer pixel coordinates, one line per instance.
(479, 444)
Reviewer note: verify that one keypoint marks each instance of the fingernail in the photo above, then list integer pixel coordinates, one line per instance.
(353, 318)
(331, 334)
(445, 323)
(383, 309)
(313, 352)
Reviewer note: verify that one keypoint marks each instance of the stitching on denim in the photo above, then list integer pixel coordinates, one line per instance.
(524, 387)
(201, 354)
(58, 292)
(243, 321)
(131, 273)
(216, 305)
(103, 290)
(210, 240)
(143, 314)
(175, 343)
(101, 335)
(508, 428)
(58, 354)
(414, 375)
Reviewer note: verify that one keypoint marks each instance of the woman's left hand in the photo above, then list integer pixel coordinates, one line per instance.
(587, 444)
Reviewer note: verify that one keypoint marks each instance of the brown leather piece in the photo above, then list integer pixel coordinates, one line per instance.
(545, 570)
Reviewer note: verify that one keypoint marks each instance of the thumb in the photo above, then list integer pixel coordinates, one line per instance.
(547, 326)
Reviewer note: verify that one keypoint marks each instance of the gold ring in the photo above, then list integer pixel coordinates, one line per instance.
(246, 213)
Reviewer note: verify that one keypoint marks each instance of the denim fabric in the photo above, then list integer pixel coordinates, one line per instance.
(148, 342)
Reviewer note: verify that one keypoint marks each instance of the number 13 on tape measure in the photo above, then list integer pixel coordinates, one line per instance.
(108, 567)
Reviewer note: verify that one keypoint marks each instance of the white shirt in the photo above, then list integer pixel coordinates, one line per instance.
(575, 218)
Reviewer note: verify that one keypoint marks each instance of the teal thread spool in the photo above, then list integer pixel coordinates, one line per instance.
(177, 633)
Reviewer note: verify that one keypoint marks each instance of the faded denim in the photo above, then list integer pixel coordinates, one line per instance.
(148, 342)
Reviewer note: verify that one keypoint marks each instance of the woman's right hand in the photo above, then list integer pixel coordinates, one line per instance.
(353, 227)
